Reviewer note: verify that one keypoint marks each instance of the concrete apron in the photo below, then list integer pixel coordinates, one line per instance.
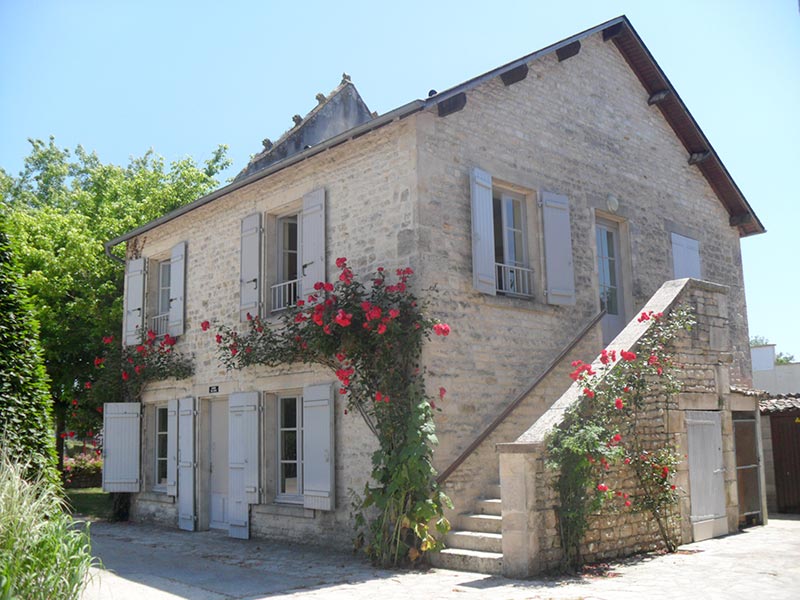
(144, 561)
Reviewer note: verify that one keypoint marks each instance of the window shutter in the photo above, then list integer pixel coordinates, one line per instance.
(177, 284)
(319, 491)
(243, 467)
(186, 464)
(250, 267)
(172, 448)
(685, 257)
(312, 238)
(558, 249)
(483, 268)
(121, 422)
(134, 301)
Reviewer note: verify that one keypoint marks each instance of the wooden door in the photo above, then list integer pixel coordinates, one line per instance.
(786, 453)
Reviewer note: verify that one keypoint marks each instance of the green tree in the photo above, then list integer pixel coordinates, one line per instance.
(25, 416)
(61, 208)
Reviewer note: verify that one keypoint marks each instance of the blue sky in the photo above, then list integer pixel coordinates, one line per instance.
(183, 76)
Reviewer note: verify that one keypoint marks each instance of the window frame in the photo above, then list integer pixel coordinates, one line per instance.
(501, 193)
(282, 497)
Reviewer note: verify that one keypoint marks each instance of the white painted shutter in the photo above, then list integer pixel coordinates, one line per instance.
(243, 467)
(250, 267)
(121, 423)
(186, 464)
(483, 267)
(172, 448)
(312, 254)
(706, 467)
(134, 301)
(558, 249)
(177, 285)
(319, 491)
(685, 257)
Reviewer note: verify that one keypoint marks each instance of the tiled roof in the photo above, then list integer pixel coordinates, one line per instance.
(780, 403)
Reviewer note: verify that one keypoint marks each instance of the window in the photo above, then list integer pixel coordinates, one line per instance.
(161, 447)
(609, 277)
(501, 251)
(284, 293)
(154, 295)
(290, 448)
(513, 276)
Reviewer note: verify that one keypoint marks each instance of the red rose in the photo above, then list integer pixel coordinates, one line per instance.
(442, 392)
(319, 285)
(125, 376)
(74, 402)
(394, 313)
(628, 356)
(442, 329)
(151, 335)
(341, 263)
(99, 361)
(88, 385)
(381, 329)
(617, 438)
(328, 287)
(234, 350)
(219, 338)
(619, 404)
(602, 487)
(627, 502)
(588, 393)
(108, 339)
(342, 318)
(340, 357)
(205, 325)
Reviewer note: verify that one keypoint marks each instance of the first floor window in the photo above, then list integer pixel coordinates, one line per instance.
(159, 323)
(290, 446)
(285, 292)
(510, 247)
(161, 445)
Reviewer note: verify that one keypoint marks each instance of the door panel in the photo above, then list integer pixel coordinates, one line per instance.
(218, 477)
(706, 474)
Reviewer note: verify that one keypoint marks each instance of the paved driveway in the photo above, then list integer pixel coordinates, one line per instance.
(145, 562)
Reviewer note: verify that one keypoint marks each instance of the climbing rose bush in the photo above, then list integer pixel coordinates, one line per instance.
(370, 336)
(604, 430)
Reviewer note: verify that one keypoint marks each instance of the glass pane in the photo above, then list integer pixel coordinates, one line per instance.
(288, 445)
(612, 306)
(164, 273)
(611, 265)
(290, 235)
(498, 230)
(161, 475)
(161, 450)
(288, 413)
(289, 478)
(517, 214)
(511, 248)
(161, 414)
(610, 244)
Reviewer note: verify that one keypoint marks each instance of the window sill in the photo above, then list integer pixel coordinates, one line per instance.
(155, 495)
(282, 509)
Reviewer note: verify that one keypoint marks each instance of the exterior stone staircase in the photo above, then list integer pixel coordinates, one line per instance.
(476, 541)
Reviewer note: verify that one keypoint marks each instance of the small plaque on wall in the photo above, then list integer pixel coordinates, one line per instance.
(213, 389)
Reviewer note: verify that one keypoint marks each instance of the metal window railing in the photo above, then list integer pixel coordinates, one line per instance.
(516, 281)
(160, 324)
(284, 294)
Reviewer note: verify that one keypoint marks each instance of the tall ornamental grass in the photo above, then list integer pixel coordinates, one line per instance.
(43, 554)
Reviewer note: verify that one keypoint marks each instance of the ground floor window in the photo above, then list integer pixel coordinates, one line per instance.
(290, 448)
(161, 447)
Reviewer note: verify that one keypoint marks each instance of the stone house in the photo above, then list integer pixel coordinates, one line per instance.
(547, 200)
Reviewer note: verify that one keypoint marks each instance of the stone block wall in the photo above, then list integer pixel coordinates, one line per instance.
(531, 541)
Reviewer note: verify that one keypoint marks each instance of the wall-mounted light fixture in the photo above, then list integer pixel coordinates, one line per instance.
(612, 202)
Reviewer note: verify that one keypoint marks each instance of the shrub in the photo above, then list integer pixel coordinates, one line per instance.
(43, 555)
(25, 412)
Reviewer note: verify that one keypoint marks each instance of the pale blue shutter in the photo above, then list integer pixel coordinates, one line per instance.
(685, 257)
(319, 491)
(121, 423)
(250, 267)
(134, 301)
(243, 465)
(483, 267)
(558, 249)
(312, 254)
(177, 285)
(172, 448)
(186, 464)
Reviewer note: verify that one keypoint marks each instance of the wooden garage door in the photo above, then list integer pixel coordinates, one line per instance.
(786, 451)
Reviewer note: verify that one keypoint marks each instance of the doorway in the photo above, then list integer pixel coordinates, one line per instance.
(609, 278)
(706, 474)
(218, 464)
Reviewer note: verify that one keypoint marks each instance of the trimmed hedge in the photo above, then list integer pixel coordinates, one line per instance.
(25, 408)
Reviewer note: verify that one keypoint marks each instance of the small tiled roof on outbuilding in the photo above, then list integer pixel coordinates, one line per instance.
(780, 403)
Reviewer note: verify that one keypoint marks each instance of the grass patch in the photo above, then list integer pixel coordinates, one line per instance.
(92, 503)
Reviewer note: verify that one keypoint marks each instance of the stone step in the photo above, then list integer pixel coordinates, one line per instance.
(489, 506)
(481, 522)
(469, 560)
(475, 540)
